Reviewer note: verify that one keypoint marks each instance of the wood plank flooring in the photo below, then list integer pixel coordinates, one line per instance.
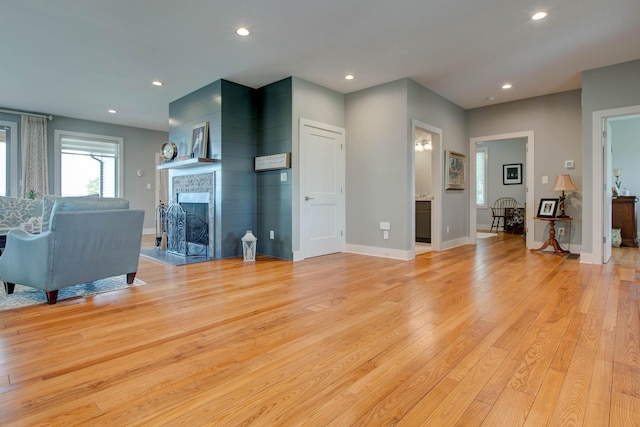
(486, 335)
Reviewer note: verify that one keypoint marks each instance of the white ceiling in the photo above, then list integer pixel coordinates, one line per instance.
(78, 58)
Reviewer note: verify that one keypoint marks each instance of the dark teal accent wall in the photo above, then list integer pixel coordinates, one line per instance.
(238, 179)
(243, 123)
(230, 111)
(274, 206)
(205, 104)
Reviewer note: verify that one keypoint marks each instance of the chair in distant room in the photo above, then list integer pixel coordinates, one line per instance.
(502, 208)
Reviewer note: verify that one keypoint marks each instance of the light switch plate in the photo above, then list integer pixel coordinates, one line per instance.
(283, 176)
(545, 179)
(569, 164)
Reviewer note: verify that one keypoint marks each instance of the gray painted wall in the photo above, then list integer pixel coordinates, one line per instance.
(377, 172)
(556, 123)
(430, 108)
(140, 146)
(319, 104)
(380, 162)
(507, 151)
(604, 88)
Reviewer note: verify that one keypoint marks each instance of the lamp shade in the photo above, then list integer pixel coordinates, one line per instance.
(563, 183)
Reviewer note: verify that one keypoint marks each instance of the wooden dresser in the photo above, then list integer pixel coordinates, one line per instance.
(623, 216)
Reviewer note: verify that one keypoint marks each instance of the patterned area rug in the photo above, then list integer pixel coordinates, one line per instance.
(24, 295)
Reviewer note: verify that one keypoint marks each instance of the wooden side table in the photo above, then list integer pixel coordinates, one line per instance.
(551, 241)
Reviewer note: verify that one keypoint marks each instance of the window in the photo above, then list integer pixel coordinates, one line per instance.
(481, 177)
(8, 159)
(88, 164)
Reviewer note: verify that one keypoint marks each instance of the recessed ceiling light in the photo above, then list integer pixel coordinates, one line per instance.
(507, 86)
(539, 15)
(112, 111)
(242, 31)
(157, 83)
(349, 77)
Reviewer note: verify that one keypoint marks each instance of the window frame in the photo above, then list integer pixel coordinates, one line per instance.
(60, 134)
(484, 150)
(13, 189)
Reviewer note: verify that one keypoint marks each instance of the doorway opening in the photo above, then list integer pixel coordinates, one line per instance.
(604, 161)
(508, 186)
(426, 187)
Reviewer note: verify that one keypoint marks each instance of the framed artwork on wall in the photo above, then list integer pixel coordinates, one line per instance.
(548, 208)
(199, 139)
(455, 164)
(512, 174)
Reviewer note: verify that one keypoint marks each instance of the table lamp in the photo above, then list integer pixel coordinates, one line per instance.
(617, 172)
(563, 183)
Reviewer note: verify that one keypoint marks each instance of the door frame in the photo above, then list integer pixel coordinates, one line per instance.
(301, 254)
(15, 182)
(530, 182)
(598, 180)
(436, 180)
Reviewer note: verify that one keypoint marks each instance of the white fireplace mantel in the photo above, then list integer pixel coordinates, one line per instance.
(188, 163)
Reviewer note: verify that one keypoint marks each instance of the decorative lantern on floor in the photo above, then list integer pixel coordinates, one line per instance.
(249, 246)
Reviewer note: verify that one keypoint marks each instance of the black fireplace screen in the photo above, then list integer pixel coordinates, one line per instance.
(188, 229)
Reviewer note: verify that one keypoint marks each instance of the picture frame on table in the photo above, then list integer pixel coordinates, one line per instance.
(512, 174)
(548, 208)
(199, 140)
(455, 164)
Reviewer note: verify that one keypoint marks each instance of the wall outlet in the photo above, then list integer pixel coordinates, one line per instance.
(283, 176)
(545, 179)
(272, 234)
(560, 231)
(385, 234)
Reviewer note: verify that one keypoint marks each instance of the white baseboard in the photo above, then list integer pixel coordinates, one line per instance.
(450, 244)
(379, 252)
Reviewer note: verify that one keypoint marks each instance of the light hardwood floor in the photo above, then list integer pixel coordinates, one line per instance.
(487, 335)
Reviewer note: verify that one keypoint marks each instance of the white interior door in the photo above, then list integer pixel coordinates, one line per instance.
(607, 194)
(322, 188)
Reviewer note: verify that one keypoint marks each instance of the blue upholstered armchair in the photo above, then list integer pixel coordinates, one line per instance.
(88, 239)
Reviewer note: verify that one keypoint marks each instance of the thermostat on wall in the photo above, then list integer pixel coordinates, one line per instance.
(569, 164)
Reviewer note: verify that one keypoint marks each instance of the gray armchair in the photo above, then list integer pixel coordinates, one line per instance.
(88, 239)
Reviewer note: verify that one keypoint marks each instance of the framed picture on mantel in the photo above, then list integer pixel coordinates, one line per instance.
(199, 139)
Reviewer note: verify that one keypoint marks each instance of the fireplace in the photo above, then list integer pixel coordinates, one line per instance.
(188, 225)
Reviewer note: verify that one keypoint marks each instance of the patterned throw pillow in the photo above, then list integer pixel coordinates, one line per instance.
(15, 211)
(616, 237)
